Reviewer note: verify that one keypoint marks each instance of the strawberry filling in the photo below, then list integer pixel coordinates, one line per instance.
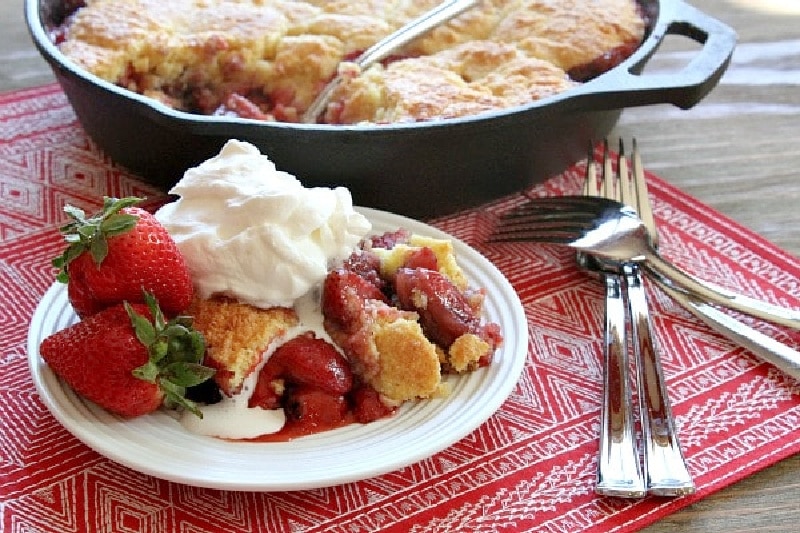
(313, 383)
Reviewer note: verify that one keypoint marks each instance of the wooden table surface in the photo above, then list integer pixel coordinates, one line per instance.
(738, 151)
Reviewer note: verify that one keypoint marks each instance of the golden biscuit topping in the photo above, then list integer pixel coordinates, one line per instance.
(267, 59)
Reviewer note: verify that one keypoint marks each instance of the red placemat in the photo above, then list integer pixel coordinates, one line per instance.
(531, 467)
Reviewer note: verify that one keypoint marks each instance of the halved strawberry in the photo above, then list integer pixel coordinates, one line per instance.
(128, 359)
(116, 254)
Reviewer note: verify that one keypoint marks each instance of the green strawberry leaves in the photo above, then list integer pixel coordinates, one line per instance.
(175, 354)
(91, 234)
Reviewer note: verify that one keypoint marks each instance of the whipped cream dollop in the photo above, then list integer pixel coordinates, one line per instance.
(252, 232)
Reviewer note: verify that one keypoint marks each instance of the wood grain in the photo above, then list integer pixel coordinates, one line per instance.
(738, 151)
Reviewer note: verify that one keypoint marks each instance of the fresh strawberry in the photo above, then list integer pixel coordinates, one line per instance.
(128, 359)
(116, 255)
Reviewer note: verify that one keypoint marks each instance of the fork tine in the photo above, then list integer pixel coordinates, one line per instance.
(549, 211)
(626, 185)
(552, 203)
(555, 210)
(546, 223)
(542, 230)
(548, 206)
(643, 207)
(611, 184)
(590, 185)
(581, 220)
(556, 226)
(553, 236)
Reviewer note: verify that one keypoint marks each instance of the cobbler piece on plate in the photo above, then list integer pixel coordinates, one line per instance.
(237, 336)
(401, 310)
(400, 314)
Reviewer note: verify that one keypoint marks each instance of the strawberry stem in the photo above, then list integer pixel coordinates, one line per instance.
(175, 353)
(90, 234)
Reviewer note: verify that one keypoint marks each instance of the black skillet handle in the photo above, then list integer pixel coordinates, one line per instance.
(625, 87)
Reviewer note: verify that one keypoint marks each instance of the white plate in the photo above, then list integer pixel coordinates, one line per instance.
(157, 445)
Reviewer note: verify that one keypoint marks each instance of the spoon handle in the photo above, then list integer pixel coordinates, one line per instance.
(766, 348)
(419, 26)
(386, 46)
(619, 471)
(711, 293)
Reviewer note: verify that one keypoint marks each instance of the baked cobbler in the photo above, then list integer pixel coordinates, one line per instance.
(400, 315)
(402, 312)
(268, 59)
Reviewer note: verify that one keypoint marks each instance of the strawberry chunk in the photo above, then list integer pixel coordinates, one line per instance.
(445, 313)
(306, 361)
(343, 296)
(390, 239)
(316, 409)
(422, 258)
(368, 405)
(367, 265)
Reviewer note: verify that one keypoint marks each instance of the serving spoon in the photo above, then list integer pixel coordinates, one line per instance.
(389, 44)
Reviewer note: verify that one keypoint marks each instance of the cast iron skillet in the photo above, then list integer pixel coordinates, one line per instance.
(420, 170)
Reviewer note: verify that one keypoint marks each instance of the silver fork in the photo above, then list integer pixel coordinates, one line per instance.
(619, 470)
(666, 471)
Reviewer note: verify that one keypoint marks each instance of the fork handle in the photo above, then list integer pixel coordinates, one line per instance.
(667, 473)
(766, 348)
(619, 471)
(721, 296)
